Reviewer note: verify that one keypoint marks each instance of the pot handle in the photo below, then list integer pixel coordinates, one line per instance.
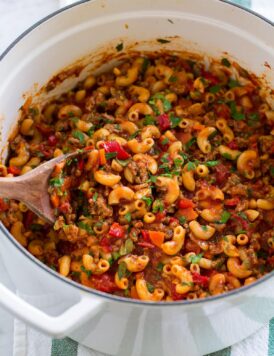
(57, 326)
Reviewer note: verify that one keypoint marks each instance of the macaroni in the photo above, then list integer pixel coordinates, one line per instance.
(172, 197)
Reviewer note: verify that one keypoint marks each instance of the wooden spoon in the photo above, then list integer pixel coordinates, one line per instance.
(32, 187)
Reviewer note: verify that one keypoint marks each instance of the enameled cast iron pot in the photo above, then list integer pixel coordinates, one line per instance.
(104, 322)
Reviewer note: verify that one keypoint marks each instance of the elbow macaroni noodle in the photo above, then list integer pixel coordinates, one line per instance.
(173, 198)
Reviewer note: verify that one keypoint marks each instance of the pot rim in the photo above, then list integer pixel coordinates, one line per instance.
(106, 296)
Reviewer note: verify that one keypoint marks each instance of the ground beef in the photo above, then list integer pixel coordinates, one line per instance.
(100, 207)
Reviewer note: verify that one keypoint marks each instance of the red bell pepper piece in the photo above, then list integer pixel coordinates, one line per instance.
(28, 219)
(164, 122)
(105, 243)
(116, 230)
(211, 78)
(233, 145)
(222, 110)
(64, 207)
(243, 222)
(44, 129)
(46, 151)
(3, 205)
(52, 140)
(104, 283)
(270, 261)
(174, 294)
(186, 203)
(201, 280)
(145, 244)
(160, 216)
(222, 173)
(145, 235)
(172, 220)
(80, 164)
(232, 201)
(14, 170)
(114, 146)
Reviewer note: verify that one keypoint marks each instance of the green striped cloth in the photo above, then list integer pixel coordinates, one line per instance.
(28, 342)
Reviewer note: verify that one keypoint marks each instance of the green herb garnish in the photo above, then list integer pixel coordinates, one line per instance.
(95, 196)
(224, 217)
(196, 258)
(182, 220)
(126, 248)
(189, 284)
(122, 270)
(178, 162)
(172, 79)
(56, 182)
(145, 64)
(190, 166)
(149, 120)
(115, 255)
(36, 227)
(227, 156)
(215, 89)
(190, 143)
(166, 103)
(88, 272)
(119, 47)
(211, 163)
(124, 162)
(225, 62)
(165, 141)
(150, 287)
(147, 200)
(152, 179)
(79, 135)
(135, 134)
(175, 121)
(33, 111)
(111, 155)
(158, 206)
(243, 215)
(160, 266)
(86, 227)
(128, 217)
(161, 40)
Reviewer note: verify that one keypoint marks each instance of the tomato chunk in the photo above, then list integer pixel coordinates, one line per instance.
(3, 205)
(104, 283)
(156, 237)
(14, 170)
(116, 230)
(199, 279)
(232, 201)
(164, 122)
(186, 203)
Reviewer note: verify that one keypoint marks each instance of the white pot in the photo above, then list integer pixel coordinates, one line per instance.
(106, 323)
